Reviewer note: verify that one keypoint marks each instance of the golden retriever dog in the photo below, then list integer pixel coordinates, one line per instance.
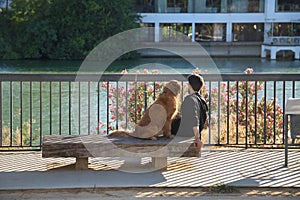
(158, 116)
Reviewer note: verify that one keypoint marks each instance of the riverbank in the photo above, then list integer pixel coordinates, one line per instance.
(214, 49)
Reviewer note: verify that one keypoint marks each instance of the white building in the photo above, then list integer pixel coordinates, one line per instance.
(226, 22)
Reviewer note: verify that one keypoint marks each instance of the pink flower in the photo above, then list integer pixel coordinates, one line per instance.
(248, 70)
(113, 118)
(100, 124)
(155, 71)
(146, 71)
(196, 71)
(104, 84)
(124, 71)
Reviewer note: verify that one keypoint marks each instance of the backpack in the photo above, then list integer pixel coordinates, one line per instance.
(203, 115)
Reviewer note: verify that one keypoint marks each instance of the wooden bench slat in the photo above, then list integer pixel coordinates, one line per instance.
(84, 146)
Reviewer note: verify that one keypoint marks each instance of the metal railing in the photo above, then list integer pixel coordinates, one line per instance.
(245, 109)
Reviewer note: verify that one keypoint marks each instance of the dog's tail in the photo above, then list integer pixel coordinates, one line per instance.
(121, 133)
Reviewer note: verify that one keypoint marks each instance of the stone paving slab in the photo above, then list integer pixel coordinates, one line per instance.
(239, 168)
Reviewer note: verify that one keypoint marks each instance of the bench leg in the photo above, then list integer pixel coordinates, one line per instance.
(159, 163)
(81, 163)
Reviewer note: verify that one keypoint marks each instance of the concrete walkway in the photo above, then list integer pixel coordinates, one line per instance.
(240, 168)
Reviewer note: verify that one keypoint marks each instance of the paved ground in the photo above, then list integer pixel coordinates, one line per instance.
(29, 176)
(156, 194)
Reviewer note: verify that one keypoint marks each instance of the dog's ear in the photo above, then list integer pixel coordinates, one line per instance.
(174, 86)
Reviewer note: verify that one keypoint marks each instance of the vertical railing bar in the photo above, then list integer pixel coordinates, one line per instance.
(30, 110)
(60, 108)
(228, 112)
(1, 142)
(274, 110)
(135, 103)
(79, 110)
(11, 113)
(219, 111)
(182, 86)
(246, 113)
(70, 108)
(89, 107)
(154, 90)
(126, 104)
(237, 113)
(117, 105)
(293, 89)
(283, 114)
(107, 107)
(265, 114)
(41, 112)
(98, 107)
(255, 114)
(21, 111)
(145, 96)
(209, 112)
(50, 91)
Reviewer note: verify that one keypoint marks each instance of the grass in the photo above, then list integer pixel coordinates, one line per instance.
(222, 188)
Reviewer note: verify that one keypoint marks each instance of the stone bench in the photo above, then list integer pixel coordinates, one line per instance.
(84, 146)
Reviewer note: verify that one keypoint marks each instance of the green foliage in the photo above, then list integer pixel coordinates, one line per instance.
(61, 29)
(222, 188)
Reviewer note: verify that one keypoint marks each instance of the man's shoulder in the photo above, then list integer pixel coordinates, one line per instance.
(190, 98)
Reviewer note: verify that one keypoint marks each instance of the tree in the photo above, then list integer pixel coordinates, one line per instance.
(64, 29)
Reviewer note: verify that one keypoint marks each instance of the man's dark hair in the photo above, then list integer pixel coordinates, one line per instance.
(196, 81)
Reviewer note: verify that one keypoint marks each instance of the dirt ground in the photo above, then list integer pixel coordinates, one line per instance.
(211, 193)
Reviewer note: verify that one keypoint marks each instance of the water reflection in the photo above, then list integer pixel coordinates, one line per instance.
(225, 65)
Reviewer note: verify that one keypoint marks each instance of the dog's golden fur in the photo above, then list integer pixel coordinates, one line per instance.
(158, 116)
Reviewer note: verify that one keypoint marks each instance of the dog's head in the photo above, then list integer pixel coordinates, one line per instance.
(173, 86)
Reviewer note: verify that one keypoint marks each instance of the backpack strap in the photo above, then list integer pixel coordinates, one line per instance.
(203, 110)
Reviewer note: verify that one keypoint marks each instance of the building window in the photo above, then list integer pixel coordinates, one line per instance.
(210, 32)
(247, 6)
(171, 6)
(175, 32)
(286, 29)
(248, 32)
(287, 6)
(200, 6)
(144, 6)
(148, 34)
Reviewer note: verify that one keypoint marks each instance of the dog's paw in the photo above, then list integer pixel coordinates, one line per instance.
(170, 136)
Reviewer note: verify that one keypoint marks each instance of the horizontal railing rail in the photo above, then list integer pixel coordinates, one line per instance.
(245, 109)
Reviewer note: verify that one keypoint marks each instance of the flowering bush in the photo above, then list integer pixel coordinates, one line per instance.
(246, 111)
(241, 102)
(128, 101)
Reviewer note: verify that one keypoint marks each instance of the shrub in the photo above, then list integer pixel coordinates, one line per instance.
(239, 101)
